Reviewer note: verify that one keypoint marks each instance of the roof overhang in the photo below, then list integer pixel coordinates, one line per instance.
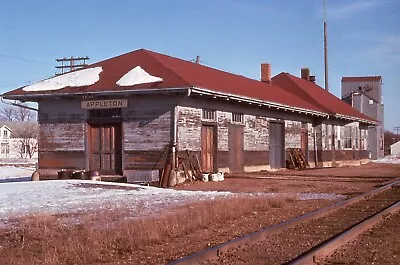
(188, 91)
(355, 119)
(255, 102)
(38, 96)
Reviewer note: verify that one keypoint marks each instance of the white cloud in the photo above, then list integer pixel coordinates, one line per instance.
(352, 8)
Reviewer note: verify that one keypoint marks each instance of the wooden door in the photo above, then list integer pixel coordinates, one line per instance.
(276, 145)
(208, 148)
(106, 148)
(235, 148)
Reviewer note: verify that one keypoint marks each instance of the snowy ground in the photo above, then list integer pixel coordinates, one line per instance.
(20, 196)
(390, 159)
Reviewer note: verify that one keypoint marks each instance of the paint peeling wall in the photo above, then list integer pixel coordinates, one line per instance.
(256, 133)
(188, 128)
(292, 134)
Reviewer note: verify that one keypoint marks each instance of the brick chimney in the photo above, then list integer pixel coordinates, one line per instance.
(305, 73)
(266, 73)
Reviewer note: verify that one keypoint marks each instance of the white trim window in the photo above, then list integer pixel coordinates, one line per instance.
(237, 117)
(209, 115)
(6, 134)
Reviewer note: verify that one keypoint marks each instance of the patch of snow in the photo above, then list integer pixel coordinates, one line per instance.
(15, 174)
(137, 76)
(303, 196)
(84, 77)
(390, 159)
(320, 196)
(71, 196)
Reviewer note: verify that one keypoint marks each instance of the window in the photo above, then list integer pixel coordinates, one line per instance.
(5, 149)
(209, 114)
(5, 134)
(347, 137)
(25, 149)
(371, 102)
(237, 117)
(105, 113)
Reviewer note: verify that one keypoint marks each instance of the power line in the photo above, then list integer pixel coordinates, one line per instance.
(22, 59)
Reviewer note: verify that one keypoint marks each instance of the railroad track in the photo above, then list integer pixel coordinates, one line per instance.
(307, 239)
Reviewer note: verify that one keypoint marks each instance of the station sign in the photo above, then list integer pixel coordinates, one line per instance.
(104, 104)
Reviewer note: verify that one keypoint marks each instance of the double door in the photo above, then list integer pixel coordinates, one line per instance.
(105, 145)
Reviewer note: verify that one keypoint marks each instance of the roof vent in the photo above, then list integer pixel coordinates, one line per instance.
(312, 78)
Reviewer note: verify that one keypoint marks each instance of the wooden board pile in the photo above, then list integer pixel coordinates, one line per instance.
(296, 159)
(191, 166)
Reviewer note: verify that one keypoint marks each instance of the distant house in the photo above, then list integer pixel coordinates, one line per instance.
(121, 116)
(5, 135)
(17, 147)
(364, 93)
(395, 148)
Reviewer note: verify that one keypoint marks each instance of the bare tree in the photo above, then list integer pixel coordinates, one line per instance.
(16, 113)
(8, 113)
(27, 143)
(24, 114)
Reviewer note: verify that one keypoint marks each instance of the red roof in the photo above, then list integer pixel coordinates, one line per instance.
(351, 79)
(316, 95)
(178, 73)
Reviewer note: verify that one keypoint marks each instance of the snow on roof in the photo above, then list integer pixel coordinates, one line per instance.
(137, 76)
(84, 77)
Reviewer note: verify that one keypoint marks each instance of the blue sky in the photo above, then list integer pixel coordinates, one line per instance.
(233, 35)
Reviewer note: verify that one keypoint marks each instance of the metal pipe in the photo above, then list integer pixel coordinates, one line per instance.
(18, 105)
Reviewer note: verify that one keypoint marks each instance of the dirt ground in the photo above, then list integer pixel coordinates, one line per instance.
(348, 181)
(380, 245)
(344, 180)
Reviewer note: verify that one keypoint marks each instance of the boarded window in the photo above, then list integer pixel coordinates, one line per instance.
(209, 115)
(237, 117)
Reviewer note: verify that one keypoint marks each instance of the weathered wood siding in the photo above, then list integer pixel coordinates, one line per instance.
(62, 130)
(147, 131)
(147, 123)
(55, 137)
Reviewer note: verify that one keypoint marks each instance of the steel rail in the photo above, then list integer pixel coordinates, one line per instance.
(317, 254)
(216, 251)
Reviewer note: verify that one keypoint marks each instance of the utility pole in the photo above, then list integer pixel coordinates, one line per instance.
(333, 151)
(70, 64)
(326, 49)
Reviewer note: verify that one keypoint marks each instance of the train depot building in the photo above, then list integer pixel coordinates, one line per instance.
(124, 115)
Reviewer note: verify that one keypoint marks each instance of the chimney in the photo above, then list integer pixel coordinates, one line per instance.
(266, 73)
(305, 73)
